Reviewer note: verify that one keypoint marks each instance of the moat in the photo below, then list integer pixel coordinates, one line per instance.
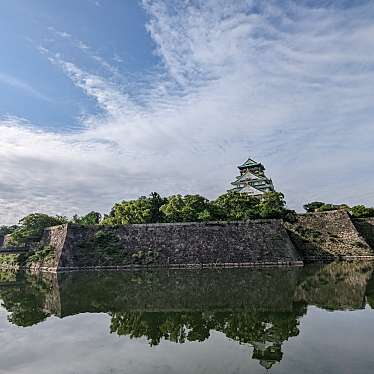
(314, 319)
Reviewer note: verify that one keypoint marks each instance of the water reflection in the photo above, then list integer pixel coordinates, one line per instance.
(261, 308)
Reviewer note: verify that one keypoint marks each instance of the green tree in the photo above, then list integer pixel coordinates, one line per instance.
(143, 210)
(156, 202)
(272, 205)
(233, 206)
(318, 206)
(189, 208)
(313, 206)
(92, 218)
(32, 226)
(5, 230)
(327, 208)
(361, 211)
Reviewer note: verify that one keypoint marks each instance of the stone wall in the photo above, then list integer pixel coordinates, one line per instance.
(328, 235)
(56, 238)
(182, 244)
(314, 236)
(6, 240)
(365, 226)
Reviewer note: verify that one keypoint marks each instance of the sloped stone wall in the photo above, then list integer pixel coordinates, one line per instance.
(328, 235)
(365, 226)
(6, 240)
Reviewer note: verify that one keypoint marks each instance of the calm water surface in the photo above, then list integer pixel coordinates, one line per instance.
(318, 319)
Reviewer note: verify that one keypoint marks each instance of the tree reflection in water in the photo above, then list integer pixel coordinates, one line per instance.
(261, 308)
(264, 331)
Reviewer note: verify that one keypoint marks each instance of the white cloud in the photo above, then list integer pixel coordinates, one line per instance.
(289, 84)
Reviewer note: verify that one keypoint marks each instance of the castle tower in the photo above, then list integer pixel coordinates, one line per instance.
(252, 179)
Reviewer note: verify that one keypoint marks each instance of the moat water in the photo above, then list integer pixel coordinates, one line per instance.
(317, 319)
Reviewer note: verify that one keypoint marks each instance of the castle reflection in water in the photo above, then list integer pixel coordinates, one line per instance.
(258, 307)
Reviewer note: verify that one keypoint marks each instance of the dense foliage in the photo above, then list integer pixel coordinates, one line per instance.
(5, 230)
(196, 208)
(32, 226)
(361, 211)
(189, 208)
(357, 211)
(92, 218)
(142, 210)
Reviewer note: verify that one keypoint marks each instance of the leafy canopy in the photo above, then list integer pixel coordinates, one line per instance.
(361, 211)
(189, 208)
(142, 210)
(195, 208)
(92, 218)
(357, 211)
(31, 227)
(235, 206)
(5, 230)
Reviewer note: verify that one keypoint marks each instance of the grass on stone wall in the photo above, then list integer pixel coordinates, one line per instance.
(44, 255)
(104, 248)
(11, 261)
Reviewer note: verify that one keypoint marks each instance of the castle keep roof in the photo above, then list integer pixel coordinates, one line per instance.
(250, 163)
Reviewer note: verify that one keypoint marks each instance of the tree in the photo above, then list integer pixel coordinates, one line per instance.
(272, 205)
(5, 230)
(313, 206)
(189, 208)
(234, 206)
(156, 202)
(143, 210)
(32, 226)
(318, 206)
(92, 218)
(361, 211)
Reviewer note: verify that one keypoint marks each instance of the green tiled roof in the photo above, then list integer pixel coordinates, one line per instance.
(249, 163)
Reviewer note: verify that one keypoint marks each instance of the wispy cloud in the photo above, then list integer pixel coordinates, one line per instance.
(290, 84)
(26, 88)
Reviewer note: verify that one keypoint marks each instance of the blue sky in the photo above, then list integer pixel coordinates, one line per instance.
(107, 100)
(115, 31)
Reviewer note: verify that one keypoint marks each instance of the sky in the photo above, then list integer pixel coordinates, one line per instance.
(105, 100)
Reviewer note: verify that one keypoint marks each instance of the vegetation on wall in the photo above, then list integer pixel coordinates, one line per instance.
(357, 211)
(108, 251)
